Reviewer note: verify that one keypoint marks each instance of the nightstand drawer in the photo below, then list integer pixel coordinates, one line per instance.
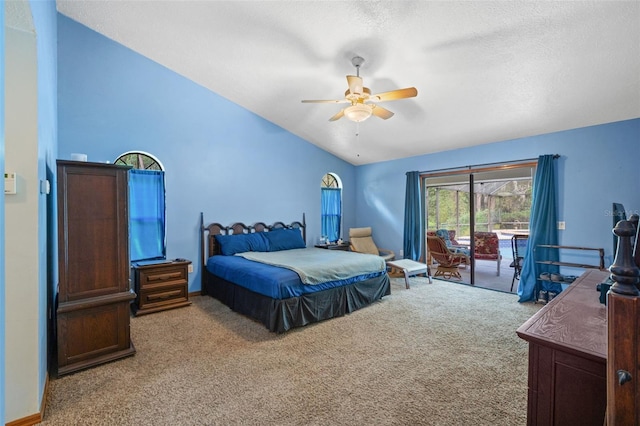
(163, 296)
(162, 276)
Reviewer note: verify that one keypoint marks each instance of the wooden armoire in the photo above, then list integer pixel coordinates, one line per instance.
(94, 291)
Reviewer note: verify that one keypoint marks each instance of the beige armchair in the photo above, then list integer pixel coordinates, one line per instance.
(361, 241)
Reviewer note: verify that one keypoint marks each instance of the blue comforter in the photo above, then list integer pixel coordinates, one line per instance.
(316, 265)
(275, 281)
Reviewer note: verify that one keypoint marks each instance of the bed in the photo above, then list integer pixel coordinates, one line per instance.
(267, 273)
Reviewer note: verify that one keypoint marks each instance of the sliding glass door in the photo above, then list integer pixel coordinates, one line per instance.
(481, 209)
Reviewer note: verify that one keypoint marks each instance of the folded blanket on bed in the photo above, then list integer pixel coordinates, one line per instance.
(316, 265)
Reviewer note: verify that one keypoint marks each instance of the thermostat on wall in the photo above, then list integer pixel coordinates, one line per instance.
(9, 183)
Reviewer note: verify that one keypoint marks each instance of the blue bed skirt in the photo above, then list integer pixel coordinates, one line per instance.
(282, 314)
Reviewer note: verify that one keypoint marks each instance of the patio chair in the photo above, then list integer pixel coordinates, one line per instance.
(518, 248)
(361, 241)
(449, 237)
(487, 247)
(448, 261)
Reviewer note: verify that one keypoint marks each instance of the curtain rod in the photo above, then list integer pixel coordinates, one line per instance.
(525, 160)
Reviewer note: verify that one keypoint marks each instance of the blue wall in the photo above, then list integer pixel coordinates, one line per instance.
(220, 159)
(45, 23)
(599, 165)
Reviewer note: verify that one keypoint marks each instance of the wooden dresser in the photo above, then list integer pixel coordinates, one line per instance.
(161, 286)
(568, 356)
(93, 298)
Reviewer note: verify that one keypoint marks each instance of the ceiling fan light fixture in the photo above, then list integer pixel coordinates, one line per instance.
(358, 112)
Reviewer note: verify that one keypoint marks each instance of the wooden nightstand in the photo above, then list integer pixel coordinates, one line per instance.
(161, 286)
(334, 246)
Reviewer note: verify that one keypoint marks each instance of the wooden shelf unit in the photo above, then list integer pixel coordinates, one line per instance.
(600, 266)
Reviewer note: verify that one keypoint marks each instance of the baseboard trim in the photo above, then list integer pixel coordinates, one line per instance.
(34, 419)
(195, 293)
(43, 403)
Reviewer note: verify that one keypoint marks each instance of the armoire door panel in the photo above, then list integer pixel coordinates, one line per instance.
(89, 333)
(94, 208)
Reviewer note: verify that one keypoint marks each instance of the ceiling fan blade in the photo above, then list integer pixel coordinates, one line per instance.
(380, 112)
(355, 84)
(338, 116)
(393, 95)
(328, 101)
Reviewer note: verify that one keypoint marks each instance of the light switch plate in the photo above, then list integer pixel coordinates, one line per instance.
(10, 183)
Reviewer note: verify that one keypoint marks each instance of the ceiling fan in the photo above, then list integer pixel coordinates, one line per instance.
(362, 101)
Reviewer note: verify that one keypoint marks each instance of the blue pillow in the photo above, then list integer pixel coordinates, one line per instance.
(444, 234)
(285, 239)
(240, 243)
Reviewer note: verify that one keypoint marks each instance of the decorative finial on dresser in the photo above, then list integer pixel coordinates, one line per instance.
(624, 271)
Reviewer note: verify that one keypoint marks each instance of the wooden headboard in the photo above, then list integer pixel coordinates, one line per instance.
(209, 245)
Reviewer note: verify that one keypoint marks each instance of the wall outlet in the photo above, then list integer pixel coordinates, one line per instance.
(190, 268)
(561, 225)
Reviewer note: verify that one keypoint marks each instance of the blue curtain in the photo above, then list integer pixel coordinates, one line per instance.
(542, 230)
(331, 213)
(146, 214)
(413, 218)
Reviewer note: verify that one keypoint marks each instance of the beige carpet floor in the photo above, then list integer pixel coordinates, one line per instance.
(436, 354)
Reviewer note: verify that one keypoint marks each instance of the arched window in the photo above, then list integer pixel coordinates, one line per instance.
(331, 206)
(139, 160)
(146, 206)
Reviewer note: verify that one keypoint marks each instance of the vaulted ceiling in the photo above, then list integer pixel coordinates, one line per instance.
(485, 71)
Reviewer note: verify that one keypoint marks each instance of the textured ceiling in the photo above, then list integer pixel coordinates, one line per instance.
(18, 16)
(485, 71)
